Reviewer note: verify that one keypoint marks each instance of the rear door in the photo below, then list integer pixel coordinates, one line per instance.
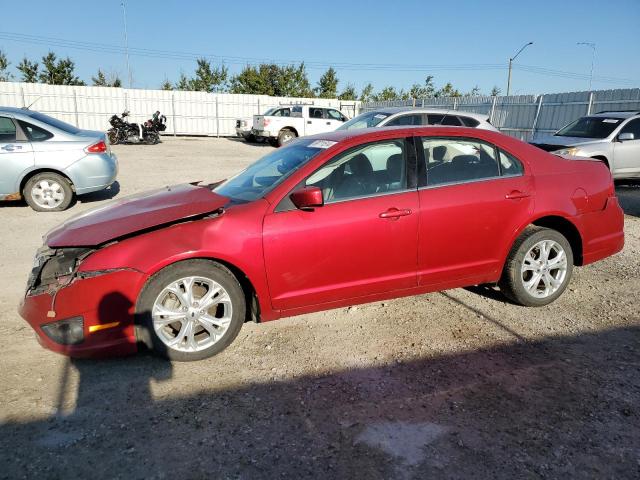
(473, 198)
(16, 155)
(362, 241)
(316, 121)
(627, 154)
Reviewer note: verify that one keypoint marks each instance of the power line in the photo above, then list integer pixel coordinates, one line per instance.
(349, 66)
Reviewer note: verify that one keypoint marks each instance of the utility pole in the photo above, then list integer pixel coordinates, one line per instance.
(511, 63)
(593, 58)
(126, 41)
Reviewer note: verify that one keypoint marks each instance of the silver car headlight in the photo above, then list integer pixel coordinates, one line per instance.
(567, 151)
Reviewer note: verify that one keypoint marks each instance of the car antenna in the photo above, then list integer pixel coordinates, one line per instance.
(31, 104)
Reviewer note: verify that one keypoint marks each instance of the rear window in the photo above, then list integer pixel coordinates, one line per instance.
(54, 122)
(34, 133)
(470, 122)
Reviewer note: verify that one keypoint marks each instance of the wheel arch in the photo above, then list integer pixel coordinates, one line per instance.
(292, 129)
(567, 228)
(603, 159)
(250, 293)
(31, 173)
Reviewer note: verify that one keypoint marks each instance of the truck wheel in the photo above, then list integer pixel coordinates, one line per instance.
(273, 142)
(250, 138)
(285, 136)
(538, 268)
(48, 192)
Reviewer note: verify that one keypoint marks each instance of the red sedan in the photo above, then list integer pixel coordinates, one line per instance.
(328, 221)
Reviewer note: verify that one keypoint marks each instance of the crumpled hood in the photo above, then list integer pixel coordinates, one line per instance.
(133, 214)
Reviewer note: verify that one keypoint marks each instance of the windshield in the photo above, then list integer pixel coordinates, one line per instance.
(54, 122)
(364, 120)
(590, 127)
(262, 176)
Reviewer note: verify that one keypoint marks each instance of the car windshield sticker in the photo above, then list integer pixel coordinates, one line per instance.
(611, 120)
(381, 116)
(322, 144)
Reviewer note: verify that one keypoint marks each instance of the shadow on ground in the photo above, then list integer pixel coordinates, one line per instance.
(263, 144)
(106, 194)
(629, 195)
(564, 407)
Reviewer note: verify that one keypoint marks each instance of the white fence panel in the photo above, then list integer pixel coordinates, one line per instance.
(188, 113)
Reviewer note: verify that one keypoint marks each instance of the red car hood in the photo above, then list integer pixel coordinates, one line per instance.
(133, 214)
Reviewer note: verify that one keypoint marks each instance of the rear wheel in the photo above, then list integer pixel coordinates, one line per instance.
(112, 135)
(152, 138)
(48, 192)
(538, 268)
(250, 138)
(190, 310)
(285, 136)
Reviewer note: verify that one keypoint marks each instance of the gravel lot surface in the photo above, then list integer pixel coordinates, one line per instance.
(456, 384)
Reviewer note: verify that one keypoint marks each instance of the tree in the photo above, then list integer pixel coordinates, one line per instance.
(349, 93)
(448, 91)
(386, 94)
(100, 80)
(58, 72)
(423, 91)
(183, 82)
(293, 81)
(495, 91)
(29, 70)
(272, 79)
(367, 93)
(166, 85)
(475, 92)
(328, 84)
(209, 79)
(4, 65)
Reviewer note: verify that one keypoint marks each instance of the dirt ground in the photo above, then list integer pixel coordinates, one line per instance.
(457, 384)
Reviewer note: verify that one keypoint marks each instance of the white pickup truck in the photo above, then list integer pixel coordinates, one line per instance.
(288, 122)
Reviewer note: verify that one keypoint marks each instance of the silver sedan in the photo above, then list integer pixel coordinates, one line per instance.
(48, 162)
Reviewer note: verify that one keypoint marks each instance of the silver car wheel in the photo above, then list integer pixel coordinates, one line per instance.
(191, 314)
(47, 194)
(544, 269)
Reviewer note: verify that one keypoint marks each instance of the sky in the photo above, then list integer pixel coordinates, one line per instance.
(398, 43)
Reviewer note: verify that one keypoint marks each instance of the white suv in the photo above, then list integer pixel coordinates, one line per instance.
(408, 116)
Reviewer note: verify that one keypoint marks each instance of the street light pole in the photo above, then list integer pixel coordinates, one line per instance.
(126, 41)
(511, 64)
(593, 58)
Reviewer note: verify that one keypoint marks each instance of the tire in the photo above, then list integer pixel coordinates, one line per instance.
(152, 138)
(48, 192)
(112, 135)
(273, 142)
(157, 305)
(530, 280)
(250, 138)
(285, 136)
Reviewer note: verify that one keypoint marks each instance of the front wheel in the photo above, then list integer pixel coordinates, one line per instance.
(152, 138)
(190, 310)
(538, 268)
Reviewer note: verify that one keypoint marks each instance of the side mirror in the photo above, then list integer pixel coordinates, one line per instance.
(626, 136)
(307, 198)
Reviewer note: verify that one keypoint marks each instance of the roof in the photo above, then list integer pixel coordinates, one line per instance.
(394, 110)
(621, 114)
(23, 111)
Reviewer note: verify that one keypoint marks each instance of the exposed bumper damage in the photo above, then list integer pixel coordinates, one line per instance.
(81, 313)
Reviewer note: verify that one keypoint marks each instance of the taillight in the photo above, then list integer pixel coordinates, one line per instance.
(265, 121)
(99, 147)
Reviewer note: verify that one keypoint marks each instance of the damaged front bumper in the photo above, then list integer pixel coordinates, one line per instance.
(81, 313)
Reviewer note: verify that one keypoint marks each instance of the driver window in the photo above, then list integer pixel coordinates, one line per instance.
(372, 169)
(7, 130)
(334, 115)
(315, 112)
(632, 127)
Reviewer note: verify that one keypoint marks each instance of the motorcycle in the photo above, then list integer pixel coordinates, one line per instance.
(123, 131)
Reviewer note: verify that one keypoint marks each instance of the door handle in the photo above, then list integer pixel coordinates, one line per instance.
(516, 194)
(328, 123)
(394, 213)
(11, 148)
(309, 122)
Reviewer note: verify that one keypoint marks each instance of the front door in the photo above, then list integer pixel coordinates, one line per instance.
(626, 160)
(475, 198)
(361, 242)
(16, 156)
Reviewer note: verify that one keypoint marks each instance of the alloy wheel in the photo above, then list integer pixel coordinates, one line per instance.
(544, 269)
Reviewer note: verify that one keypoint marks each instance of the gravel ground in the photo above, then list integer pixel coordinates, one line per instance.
(456, 384)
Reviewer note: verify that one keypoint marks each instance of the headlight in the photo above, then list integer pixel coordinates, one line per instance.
(49, 265)
(566, 151)
(65, 332)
